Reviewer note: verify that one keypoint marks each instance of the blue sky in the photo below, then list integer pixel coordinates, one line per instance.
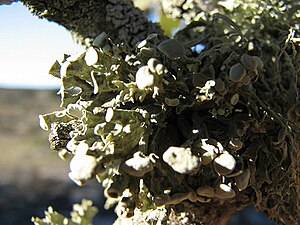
(28, 47)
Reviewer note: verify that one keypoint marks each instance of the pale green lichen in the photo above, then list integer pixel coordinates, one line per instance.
(180, 127)
(82, 214)
(82, 166)
(182, 160)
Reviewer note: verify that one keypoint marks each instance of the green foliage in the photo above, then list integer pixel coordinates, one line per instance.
(163, 126)
(82, 214)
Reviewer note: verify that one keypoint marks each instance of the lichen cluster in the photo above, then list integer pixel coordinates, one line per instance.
(163, 125)
(131, 24)
(84, 19)
(81, 214)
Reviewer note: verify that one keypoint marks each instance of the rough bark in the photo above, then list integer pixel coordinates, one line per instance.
(86, 19)
(6, 2)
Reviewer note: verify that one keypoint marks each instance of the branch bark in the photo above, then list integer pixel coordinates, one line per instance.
(86, 19)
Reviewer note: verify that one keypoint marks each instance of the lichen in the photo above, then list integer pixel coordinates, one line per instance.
(86, 19)
(81, 214)
(180, 130)
(133, 26)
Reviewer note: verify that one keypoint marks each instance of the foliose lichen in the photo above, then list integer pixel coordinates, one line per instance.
(161, 129)
(81, 214)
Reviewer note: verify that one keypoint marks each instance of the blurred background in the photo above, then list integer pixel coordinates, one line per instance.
(32, 177)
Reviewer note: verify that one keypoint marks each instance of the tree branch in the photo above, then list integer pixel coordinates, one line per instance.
(86, 19)
(188, 10)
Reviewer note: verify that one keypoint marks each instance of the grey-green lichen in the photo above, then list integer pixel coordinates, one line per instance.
(6, 2)
(163, 129)
(86, 19)
(133, 26)
(82, 214)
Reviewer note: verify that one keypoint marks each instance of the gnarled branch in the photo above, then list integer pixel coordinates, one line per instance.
(86, 19)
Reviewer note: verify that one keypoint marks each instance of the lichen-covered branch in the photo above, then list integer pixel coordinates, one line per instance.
(86, 19)
(195, 10)
(6, 2)
(178, 135)
(189, 10)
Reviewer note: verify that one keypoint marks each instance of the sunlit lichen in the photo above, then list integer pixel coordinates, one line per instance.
(81, 214)
(177, 127)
